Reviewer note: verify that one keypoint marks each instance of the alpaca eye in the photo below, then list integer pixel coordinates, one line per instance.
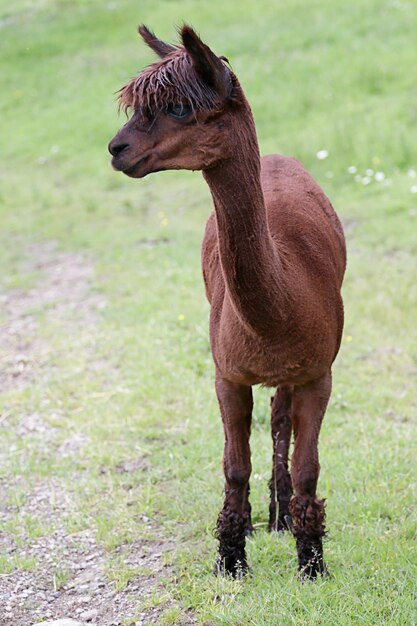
(179, 111)
(143, 115)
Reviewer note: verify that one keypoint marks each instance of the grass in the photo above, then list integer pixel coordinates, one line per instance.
(138, 381)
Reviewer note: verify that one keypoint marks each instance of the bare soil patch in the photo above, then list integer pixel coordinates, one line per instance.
(70, 580)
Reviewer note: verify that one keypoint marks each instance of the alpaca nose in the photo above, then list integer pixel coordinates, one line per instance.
(115, 148)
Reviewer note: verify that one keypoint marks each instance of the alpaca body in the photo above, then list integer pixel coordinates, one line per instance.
(273, 260)
(304, 228)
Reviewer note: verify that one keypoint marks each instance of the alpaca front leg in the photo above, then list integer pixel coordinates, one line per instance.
(234, 519)
(307, 511)
(280, 484)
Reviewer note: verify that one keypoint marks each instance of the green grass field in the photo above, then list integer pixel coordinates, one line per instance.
(109, 420)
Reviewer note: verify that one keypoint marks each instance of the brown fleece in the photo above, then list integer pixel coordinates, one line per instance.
(273, 260)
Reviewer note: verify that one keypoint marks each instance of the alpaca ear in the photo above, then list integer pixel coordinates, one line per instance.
(161, 48)
(207, 65)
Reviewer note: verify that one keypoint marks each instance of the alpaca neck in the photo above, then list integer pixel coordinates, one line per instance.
(249, 259)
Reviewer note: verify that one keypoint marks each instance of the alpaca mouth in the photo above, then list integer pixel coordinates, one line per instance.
(133, 169)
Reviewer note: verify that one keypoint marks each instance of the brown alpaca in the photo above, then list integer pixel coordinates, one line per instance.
(273, 260)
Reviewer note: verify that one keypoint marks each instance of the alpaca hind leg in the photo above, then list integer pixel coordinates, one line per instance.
(307, 511)
(234, 519)
(280, 484)
(248, 513)
(248, 509)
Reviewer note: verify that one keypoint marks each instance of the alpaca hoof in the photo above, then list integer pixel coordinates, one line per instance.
(229, 566)
(310, 560)
(311, 571)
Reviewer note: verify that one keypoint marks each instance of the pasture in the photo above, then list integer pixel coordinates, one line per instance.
(111, 440)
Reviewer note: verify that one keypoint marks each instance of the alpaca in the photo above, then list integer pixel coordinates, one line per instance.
(273, 260)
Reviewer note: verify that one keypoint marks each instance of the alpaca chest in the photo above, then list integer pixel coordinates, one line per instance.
(247, 359)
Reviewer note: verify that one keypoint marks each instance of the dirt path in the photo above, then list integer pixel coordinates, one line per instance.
(64, 575)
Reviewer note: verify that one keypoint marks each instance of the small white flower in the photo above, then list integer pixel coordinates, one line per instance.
(329, 174)
(322, 154)
(379, 177)
(358, 178)
(369, 172)
(412, 173)
(366, 180)
(412, 212)
(413, 189)
(352, 169)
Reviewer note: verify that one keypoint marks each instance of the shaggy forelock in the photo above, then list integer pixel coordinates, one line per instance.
(171, 81)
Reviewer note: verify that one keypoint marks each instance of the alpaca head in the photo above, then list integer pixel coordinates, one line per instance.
(182, 110)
